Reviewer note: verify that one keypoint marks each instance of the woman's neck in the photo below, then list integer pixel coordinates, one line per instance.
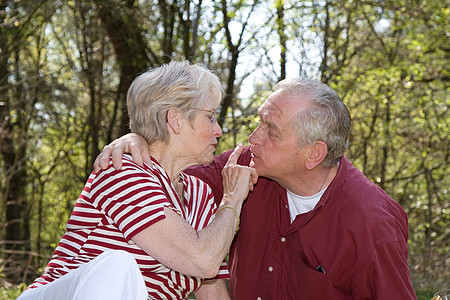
(170, 159)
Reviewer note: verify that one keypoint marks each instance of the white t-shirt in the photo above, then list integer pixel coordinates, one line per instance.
(300, 205)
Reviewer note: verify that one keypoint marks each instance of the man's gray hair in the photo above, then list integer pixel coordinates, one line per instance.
(326, 119)
(174, 85)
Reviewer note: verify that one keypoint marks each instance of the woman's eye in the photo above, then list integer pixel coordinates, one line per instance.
(213, 118)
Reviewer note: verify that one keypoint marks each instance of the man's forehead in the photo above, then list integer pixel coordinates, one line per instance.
(270, 108)
(280, 105)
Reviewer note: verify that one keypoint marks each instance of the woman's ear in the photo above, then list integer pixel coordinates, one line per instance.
(174, 120)
(316, 154)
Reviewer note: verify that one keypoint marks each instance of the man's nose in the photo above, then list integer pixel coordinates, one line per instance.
(217, 130)
(255, 138)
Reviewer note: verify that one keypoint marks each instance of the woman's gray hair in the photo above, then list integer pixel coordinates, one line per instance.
(326, 119)
(178, 85)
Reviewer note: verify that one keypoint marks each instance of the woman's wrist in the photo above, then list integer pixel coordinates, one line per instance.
(231, 199)
(236, 215)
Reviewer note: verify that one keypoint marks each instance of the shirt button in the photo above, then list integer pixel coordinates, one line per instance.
(270, 269)
(259, 298)
(283, 239)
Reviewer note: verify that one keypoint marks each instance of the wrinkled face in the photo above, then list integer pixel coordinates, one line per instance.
(201, 138)
(276, 153)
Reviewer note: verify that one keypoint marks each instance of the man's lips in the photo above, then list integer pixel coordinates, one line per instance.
(252, 161)
(252, 151)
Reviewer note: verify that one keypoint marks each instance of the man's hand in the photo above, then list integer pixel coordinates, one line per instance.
(130, 143)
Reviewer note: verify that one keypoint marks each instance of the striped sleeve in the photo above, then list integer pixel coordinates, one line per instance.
(132, 197)
(205, 211)
(223, 271)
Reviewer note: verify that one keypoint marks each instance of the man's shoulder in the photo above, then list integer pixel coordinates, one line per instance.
(368, 204)
(357, 186)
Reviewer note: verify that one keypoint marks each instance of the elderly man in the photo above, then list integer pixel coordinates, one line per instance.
(314, 226)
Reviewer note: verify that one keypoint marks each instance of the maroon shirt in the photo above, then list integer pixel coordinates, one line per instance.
(356, 233)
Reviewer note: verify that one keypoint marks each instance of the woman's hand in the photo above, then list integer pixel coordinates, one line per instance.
(212, 289)
(130, 143)
(238, 180)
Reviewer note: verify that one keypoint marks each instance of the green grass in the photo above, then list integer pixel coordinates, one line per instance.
(13, 293)
(424, 294)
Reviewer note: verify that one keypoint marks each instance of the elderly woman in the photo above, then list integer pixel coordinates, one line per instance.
(154, 231)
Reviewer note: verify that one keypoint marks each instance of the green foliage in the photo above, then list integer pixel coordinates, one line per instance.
(397, 92)
(388, 60)
(8, 292)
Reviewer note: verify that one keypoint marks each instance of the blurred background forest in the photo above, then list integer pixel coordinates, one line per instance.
(65, 67)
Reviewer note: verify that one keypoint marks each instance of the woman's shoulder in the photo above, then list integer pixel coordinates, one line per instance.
(193, 181)
(130, 172)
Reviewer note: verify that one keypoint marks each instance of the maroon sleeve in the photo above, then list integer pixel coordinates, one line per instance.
(384, 274)
(212, 173)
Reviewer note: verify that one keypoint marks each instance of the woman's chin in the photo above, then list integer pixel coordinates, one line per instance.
(209, 159)
(205, 159)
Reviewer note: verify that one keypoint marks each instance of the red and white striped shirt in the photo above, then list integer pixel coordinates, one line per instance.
(116, 205)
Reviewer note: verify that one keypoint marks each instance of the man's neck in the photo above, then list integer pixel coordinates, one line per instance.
(311, 182)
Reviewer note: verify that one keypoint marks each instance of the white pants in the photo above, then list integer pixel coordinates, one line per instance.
(112, 275)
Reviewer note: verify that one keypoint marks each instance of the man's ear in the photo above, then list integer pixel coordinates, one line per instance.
(316, 154)
(174, 120)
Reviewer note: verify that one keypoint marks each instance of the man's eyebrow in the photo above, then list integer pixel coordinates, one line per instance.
(272, 124)
(260, 111)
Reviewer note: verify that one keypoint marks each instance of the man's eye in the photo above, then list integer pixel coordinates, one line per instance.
(272, 133)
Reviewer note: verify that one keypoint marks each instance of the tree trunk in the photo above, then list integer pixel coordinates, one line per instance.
(129, 46)
(283, 39)
(13, 144)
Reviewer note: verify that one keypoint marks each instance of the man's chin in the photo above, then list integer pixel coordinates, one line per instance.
(257, 166)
